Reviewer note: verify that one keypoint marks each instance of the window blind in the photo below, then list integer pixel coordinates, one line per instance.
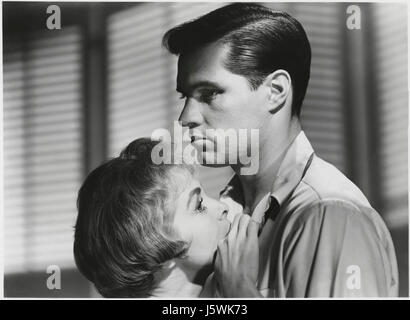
(390, 50)
(42, 148)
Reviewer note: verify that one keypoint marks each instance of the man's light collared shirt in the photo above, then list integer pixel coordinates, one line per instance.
(325, 240)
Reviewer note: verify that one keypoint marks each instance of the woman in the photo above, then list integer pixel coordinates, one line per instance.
(146, 230)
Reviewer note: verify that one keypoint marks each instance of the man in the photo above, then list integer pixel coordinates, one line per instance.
(245, 66)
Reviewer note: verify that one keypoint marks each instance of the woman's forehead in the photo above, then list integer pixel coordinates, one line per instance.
(183, 177)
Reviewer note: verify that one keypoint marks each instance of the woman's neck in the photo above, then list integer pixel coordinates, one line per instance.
(174, 282)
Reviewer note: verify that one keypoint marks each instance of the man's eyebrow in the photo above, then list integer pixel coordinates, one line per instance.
(196, 191)
(196, 85)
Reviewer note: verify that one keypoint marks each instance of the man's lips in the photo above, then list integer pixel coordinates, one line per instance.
(197, 138)
(202, 142)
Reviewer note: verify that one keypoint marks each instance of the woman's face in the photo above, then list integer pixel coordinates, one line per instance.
(199, 220)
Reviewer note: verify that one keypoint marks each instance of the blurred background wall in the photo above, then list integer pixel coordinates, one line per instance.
(76, 96)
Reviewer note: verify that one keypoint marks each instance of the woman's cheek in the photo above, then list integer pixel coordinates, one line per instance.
(186, 229)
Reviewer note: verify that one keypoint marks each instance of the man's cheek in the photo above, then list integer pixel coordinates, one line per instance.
(216, 118)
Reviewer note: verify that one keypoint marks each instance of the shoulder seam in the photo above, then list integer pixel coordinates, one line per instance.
(312, 188)
(334, 201)
(312, 210)
(320, 199)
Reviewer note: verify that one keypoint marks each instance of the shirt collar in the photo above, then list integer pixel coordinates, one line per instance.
(291, 171)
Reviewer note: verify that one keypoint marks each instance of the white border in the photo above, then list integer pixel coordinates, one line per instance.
(1, 163)
(176, 299)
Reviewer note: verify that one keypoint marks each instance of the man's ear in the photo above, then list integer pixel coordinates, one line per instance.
(279, 84)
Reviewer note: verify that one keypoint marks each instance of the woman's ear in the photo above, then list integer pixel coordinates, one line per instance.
(279, 84)
(168, 265)
(165, 271)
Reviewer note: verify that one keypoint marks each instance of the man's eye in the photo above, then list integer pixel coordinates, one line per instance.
(182, 96)
(209, 95)
(201, 208)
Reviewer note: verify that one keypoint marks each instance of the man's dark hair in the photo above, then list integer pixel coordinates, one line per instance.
(123, 234)
(261, 41)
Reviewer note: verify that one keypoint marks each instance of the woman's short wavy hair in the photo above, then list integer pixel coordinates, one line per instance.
(123, 232)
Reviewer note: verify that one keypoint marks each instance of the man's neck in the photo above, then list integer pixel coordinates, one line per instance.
(271, 154)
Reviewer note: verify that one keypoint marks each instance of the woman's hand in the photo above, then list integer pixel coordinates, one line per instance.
(237, 260)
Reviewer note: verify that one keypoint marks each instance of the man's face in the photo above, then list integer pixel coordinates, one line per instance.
(216, 98)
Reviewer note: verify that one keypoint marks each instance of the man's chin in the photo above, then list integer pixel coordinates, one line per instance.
(213, 165)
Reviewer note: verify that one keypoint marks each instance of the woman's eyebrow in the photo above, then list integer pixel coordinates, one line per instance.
(196, 191)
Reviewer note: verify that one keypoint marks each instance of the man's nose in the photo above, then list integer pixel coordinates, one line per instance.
(191, 116)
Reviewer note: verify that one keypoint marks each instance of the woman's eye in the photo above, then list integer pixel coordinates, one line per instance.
(201, 208)
(182, 96)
